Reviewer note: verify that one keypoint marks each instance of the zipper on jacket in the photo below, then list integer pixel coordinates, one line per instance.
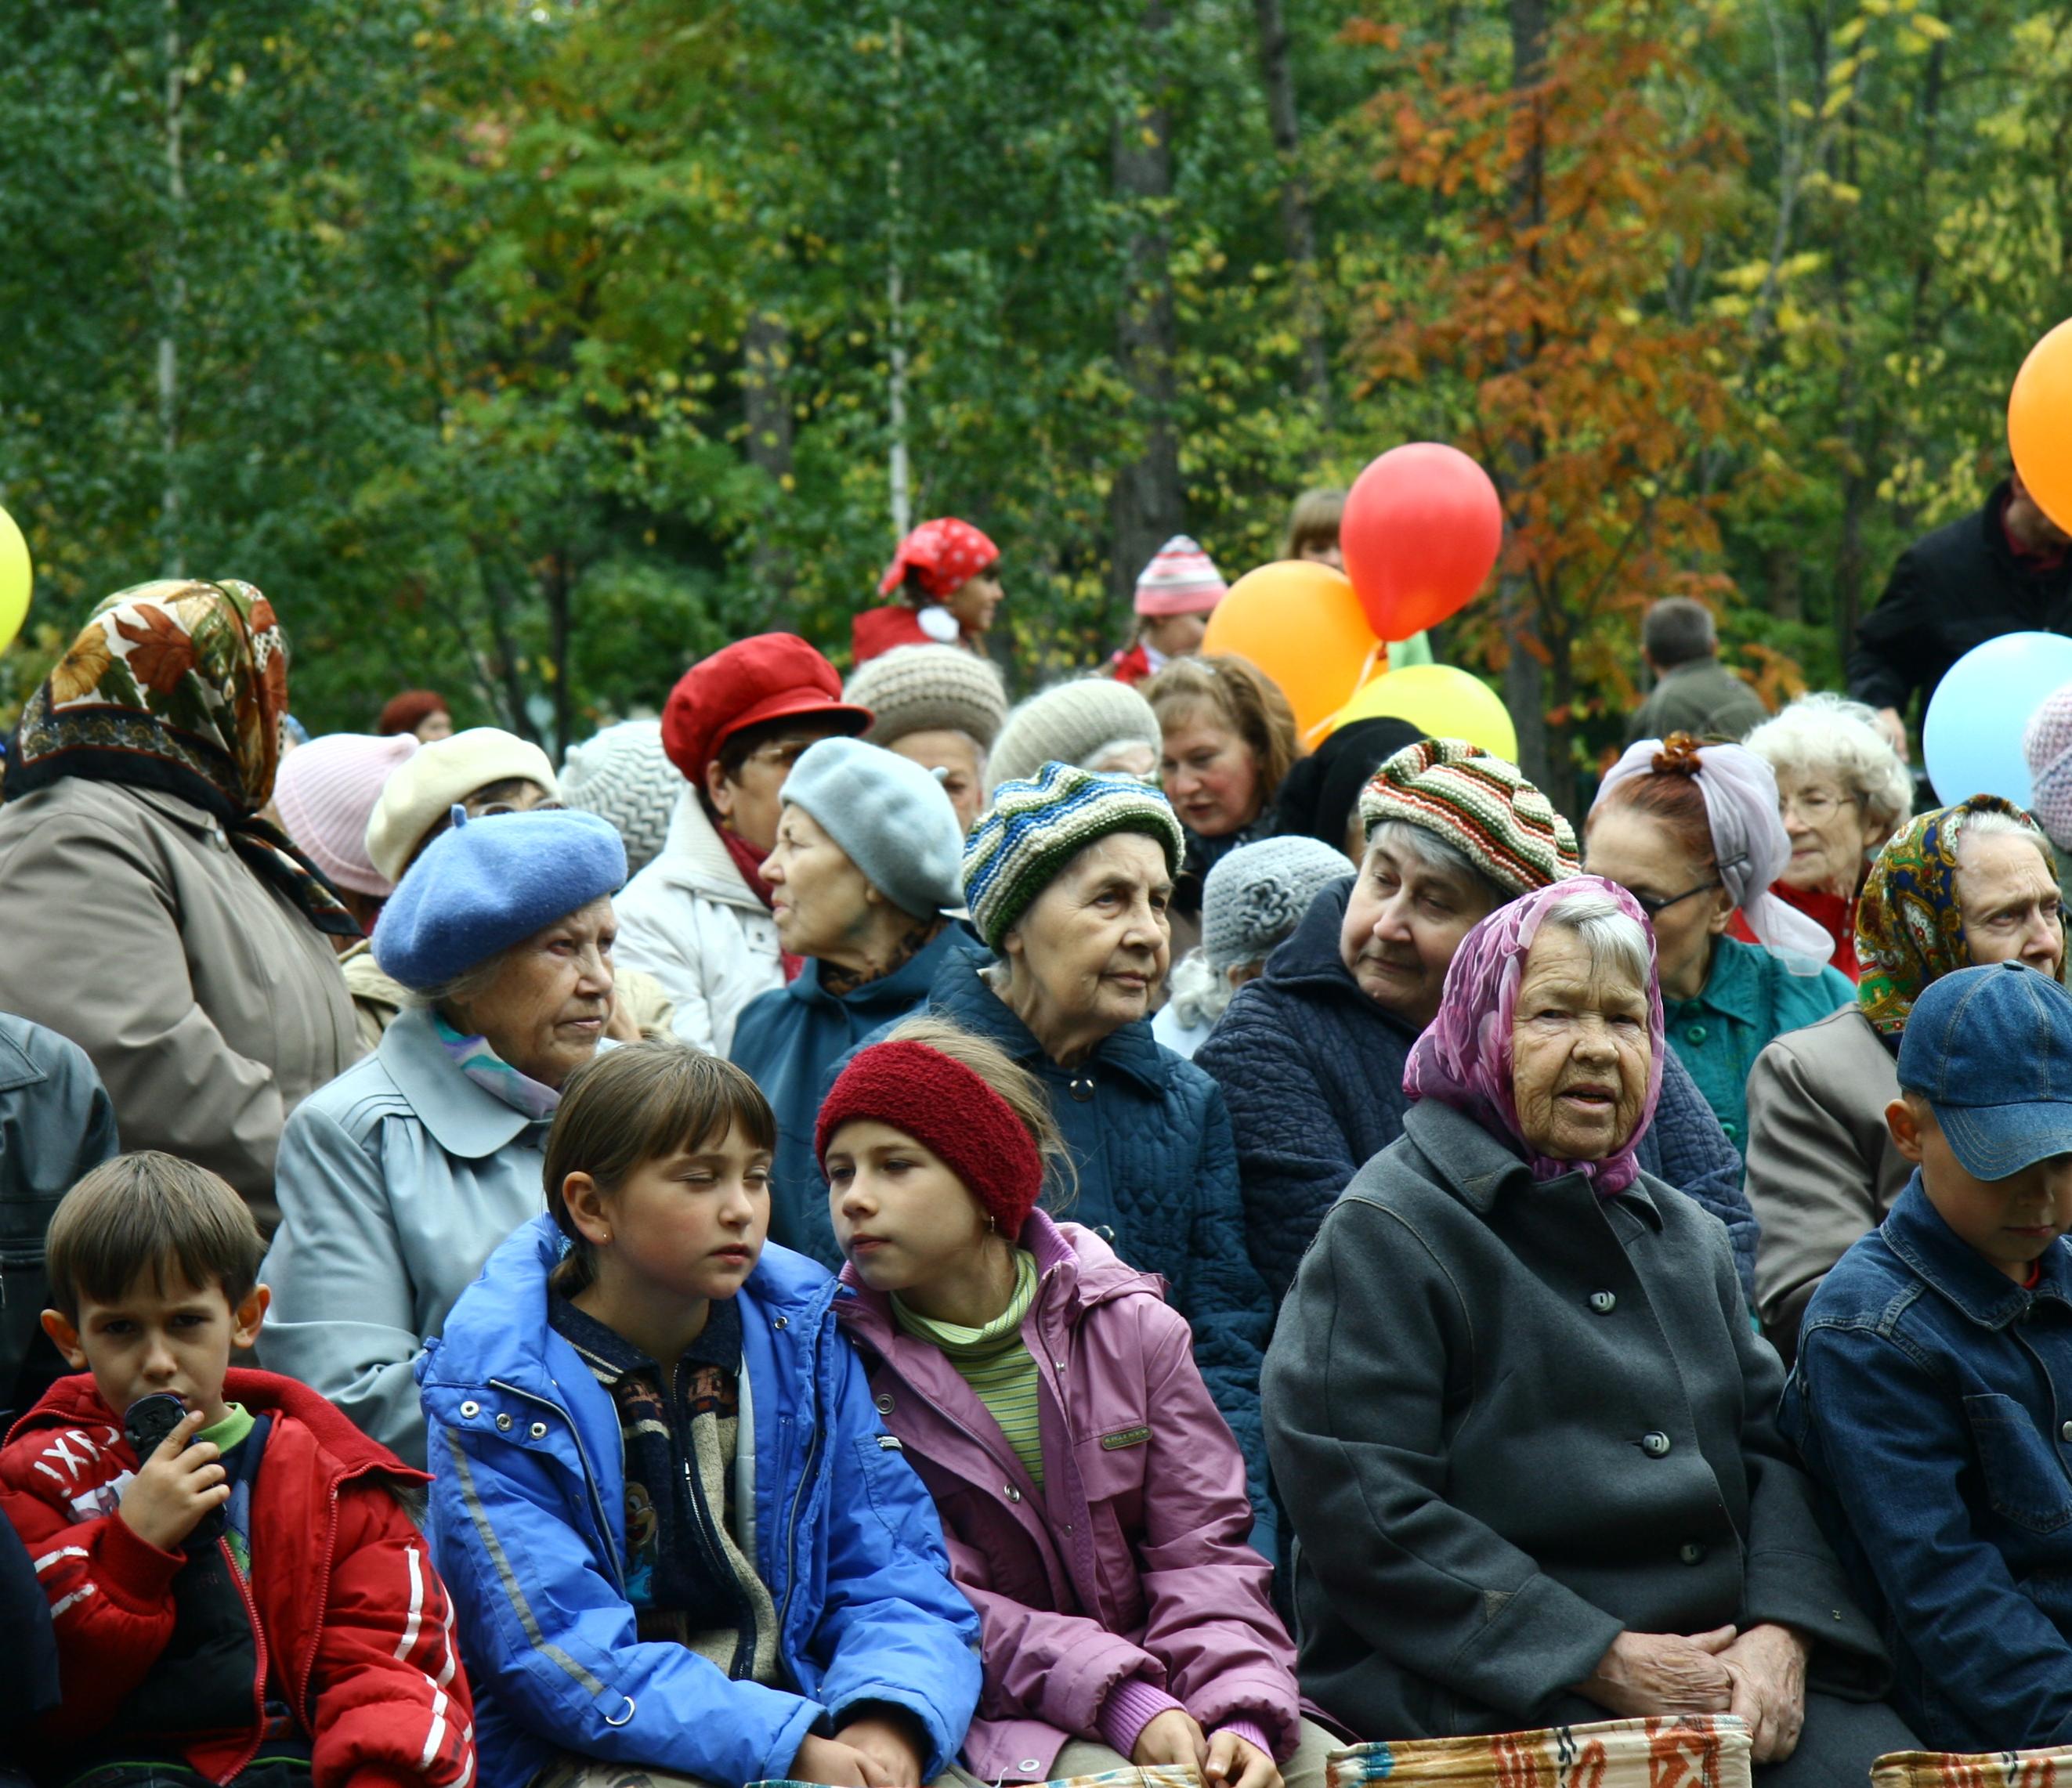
(259, 1646)
(798, 1498)
(299, 1703)
(590, 1481)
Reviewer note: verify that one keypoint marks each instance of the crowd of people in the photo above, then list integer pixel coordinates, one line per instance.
(861, 1233)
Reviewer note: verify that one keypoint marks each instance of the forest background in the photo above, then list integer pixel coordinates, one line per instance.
(533, 351)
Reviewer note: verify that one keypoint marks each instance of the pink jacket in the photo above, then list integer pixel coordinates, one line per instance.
(1131, 1563)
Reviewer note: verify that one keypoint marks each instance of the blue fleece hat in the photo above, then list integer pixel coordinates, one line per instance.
(490, 883)
(891, 817)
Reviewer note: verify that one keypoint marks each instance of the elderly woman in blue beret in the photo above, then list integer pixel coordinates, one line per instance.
(398, 1179)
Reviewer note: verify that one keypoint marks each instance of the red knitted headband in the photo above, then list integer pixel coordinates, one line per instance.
(949, 1110)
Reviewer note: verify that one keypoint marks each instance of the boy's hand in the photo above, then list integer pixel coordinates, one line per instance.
(1236, 1762)
(1171, 1737)
(175, 1487)
(888, 1740)
(1768, 1665)
(837, 1764)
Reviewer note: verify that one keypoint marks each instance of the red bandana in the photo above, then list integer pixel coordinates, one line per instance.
(943, 554)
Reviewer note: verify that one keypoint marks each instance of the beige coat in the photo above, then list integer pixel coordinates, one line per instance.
(1822, 1170)
(640, 1007)
(209, 1003)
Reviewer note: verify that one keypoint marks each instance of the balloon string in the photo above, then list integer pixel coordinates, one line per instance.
(1323, 727)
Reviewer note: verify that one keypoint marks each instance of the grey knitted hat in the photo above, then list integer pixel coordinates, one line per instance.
(922, 689)
(1256, 896)
(1069, 724)
(623, 774)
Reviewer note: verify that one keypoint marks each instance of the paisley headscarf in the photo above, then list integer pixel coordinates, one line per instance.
(941, 554)
(180, 686)
(1464, 1059)
(1909, 930)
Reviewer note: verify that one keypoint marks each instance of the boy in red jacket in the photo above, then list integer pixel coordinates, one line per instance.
(249, 1600)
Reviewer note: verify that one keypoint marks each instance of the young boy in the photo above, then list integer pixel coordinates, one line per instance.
(248, 1597)
(1935, 1374)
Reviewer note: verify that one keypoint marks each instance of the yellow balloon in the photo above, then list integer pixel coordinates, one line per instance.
(14, 580)
(1442, 702)
(1302, 624)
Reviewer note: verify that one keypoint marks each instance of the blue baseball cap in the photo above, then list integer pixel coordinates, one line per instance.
(1990, 1050)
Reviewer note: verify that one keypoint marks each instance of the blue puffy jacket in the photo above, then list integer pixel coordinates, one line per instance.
(1312, 1070)
(528, 1527)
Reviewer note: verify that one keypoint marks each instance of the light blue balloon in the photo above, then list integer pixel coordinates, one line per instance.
(1972, 736)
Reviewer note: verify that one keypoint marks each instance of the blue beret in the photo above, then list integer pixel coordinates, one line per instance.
(489, 883)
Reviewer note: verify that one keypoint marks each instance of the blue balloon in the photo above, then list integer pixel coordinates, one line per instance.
(1971, 737)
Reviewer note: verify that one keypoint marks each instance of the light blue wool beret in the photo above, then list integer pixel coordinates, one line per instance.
(891, 817)
(489, 883)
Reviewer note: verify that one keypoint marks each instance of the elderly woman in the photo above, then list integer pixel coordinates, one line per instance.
(1068, 878)
(399, 1178)
(150, 915)
(1514, 1403)
(1964, 884)
(863, 870)
(938, 707)
(1691, 832)
(1310, 1056)
(1842, 792)
(1090, 722)
(1252, 900)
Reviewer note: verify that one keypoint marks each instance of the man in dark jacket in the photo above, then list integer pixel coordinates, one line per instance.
(2006, 569)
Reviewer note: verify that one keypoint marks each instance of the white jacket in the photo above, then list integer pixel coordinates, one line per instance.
(691, 920)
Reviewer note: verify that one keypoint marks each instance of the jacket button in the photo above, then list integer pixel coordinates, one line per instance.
(503, 1424)
(1082, 1088)
(470, 1408)
(1691, 1552)
(1733, 1131)
(1694, 1034)
(1604, 1303)
(781, 1322)
(884, 1405)
(1655, 1445)
(2065, 1432)
(538, 1431)
(1030, 1763)
(1013, 1495)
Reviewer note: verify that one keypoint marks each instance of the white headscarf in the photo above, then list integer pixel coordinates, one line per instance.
(1749, 844)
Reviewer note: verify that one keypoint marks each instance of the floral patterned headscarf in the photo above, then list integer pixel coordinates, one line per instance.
(1910, 929)
(181, 686)
(1463, 1060)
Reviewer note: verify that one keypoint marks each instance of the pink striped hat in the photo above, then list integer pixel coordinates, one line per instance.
(324, 793)
(1180, 580)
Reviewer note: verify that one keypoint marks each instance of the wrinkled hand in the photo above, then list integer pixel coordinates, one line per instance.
(1171, 1737)
(1894, 728)
(175, 1487)
(830, 1761)
(1652, 1673)
(1236, 1762)
(891, 1742)
(1768, 1665)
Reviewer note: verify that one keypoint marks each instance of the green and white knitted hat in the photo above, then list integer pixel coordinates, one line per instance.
(1034, 828)
(1482, 805)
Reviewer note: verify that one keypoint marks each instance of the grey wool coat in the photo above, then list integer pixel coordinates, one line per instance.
(1510, 1419)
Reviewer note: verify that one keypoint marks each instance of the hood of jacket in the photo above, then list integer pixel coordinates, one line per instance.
(1309, 963)
(694, 859)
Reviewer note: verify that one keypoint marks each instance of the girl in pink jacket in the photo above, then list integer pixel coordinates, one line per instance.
(1092, 1497)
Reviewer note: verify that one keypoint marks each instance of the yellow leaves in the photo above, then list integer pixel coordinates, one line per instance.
(1848, 34)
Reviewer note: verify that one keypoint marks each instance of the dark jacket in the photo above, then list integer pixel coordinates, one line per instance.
(1157, 1180)
(789, 1040)
(1930, 1401)
(1509, 1419)
(1312, 1070)
(56, 1122)
(1703, 698)
(1951, 590)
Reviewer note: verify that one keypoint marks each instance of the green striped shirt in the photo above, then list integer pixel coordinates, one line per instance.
(995, 1362)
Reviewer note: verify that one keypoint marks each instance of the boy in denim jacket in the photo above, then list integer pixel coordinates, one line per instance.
(1933, 1394)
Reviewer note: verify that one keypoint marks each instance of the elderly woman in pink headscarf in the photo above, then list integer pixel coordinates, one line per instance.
(1523, 1428)
(944, 583)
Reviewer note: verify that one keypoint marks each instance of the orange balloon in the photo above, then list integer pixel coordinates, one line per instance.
(2040, 424)
(1302, 624)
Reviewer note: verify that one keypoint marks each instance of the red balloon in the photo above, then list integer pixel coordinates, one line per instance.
(1421, 530)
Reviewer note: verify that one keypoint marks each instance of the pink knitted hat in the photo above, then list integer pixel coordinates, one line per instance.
(2047, 744)
(1180, 580)
(325, 792)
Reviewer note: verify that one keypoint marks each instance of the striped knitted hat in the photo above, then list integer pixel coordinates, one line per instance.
(1034, 828)
(1480, 804)
(623, 773)
(1181, 579)
(924, 688)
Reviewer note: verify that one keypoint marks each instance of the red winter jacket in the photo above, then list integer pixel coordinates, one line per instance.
(343, 1596)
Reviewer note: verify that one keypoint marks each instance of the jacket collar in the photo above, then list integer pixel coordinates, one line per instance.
(904, 988)
(1913, 1229)
(959, 993)
(464, 1119)
(1734, 983)
(16, 1070)
(1479, 1169)
(693, 858)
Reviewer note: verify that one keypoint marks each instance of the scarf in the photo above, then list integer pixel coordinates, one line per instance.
(941, 554)
(180, 686)
(749, 861)
(1464, 1060)
(474, 1057)
(1910, 930)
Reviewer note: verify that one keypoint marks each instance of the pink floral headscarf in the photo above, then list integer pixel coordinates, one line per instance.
(1463, 1060)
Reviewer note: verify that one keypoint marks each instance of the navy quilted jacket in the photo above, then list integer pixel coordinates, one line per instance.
(1312, 1070)
(1157, 1180)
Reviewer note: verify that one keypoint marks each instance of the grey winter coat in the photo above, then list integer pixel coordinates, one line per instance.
(1510, 1420)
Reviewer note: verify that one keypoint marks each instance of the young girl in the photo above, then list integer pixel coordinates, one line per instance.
(678, 1538)
(1093, 1501)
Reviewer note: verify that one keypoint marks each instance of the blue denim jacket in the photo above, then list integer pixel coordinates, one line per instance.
(1933, 1403)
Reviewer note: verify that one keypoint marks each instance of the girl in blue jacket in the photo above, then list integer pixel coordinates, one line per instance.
(675, 1533)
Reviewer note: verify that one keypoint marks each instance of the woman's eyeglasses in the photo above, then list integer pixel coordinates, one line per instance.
(1655, 905)
(1814, 804)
